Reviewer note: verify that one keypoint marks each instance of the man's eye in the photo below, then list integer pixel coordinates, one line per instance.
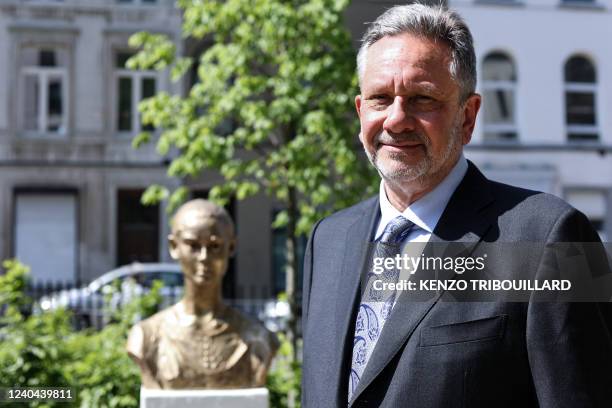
(379, 100)
(423, 99)
(379, 97)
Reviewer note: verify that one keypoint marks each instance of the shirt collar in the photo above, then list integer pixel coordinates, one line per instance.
(427, 210)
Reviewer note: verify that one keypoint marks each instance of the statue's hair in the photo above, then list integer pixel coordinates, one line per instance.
(434, 22)
(204, 209)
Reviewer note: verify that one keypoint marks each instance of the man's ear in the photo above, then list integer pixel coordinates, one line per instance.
(358, 104)
(358, 101)
(470, 112)
(173, 246)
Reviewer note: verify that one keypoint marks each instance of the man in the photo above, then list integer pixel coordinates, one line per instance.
(417, 108)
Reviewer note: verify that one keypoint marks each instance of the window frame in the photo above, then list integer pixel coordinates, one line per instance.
(43, 74)
(156, 226)
(597, 219)
(500, 85)
(581, 87)
(136, 76)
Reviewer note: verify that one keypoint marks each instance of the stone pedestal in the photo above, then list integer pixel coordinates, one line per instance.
(238, 398)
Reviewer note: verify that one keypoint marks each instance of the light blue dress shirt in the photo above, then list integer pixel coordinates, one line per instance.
(427, 210)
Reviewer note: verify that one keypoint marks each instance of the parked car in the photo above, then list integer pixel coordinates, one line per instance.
(120, 286)
(275, 315)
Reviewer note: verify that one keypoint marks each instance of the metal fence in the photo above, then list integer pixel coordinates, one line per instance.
(97, 308)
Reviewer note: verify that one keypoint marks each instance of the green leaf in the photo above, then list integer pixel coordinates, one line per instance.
(140, 139)
(154, 194)
(177, 197)
(181, 66)
(282, 218)
(246, 189)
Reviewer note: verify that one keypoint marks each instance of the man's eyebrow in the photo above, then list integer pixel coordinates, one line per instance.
(426, 87)
(429, 87)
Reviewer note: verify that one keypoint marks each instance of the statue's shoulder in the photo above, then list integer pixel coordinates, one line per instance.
(154, 322)
(145, 334)
(243, 322)
(253, 332)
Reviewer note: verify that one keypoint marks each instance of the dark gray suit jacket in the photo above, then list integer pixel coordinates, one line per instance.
(436, 354)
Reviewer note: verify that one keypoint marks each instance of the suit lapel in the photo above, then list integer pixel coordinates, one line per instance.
(357, 240)
(465, 220)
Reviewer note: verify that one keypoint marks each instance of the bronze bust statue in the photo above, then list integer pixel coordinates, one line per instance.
(200, 342)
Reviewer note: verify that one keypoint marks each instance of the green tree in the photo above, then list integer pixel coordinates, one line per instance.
(271, 109)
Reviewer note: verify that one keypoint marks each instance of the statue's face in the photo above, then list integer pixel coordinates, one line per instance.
(202, 245)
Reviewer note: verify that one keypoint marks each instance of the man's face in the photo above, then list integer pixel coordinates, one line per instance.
(202, 245)
(413, 125)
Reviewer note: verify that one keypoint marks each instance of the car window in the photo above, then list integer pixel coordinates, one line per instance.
(172, 279)
(140, 278)
(116, 284)
(168, 278)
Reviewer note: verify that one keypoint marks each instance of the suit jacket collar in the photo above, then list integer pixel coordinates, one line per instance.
(464, 220)
(358, 237)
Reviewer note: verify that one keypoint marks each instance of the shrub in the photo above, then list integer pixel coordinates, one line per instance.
(285, 377)
(44, 350)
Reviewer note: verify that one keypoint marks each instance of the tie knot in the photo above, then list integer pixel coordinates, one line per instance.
(396, 230)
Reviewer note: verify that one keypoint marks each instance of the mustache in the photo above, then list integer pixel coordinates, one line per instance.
(398, 138)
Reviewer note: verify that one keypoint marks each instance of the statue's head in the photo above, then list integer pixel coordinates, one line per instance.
(202, 241)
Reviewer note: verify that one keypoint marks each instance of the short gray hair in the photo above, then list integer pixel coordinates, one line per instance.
(436, 23)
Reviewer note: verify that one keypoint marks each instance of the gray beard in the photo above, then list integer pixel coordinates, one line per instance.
(423, 169)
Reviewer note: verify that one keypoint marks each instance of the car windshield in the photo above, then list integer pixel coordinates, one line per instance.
(167, 278)
(142, 278)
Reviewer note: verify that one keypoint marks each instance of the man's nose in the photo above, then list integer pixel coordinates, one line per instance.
(399, 118)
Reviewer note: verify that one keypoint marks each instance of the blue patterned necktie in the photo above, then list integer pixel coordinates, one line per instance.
(374, 308)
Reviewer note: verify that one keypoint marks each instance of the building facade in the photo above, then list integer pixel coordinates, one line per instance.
(71, 182)
(69, 178)
(545, 73)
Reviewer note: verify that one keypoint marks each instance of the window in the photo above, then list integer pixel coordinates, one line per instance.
(132, 87)
(593, 203)
(44, 90)
(580, 99)
(499, 89)
(137, 229)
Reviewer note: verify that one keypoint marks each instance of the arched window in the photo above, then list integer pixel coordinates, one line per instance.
(499, 96)
(580, 97)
